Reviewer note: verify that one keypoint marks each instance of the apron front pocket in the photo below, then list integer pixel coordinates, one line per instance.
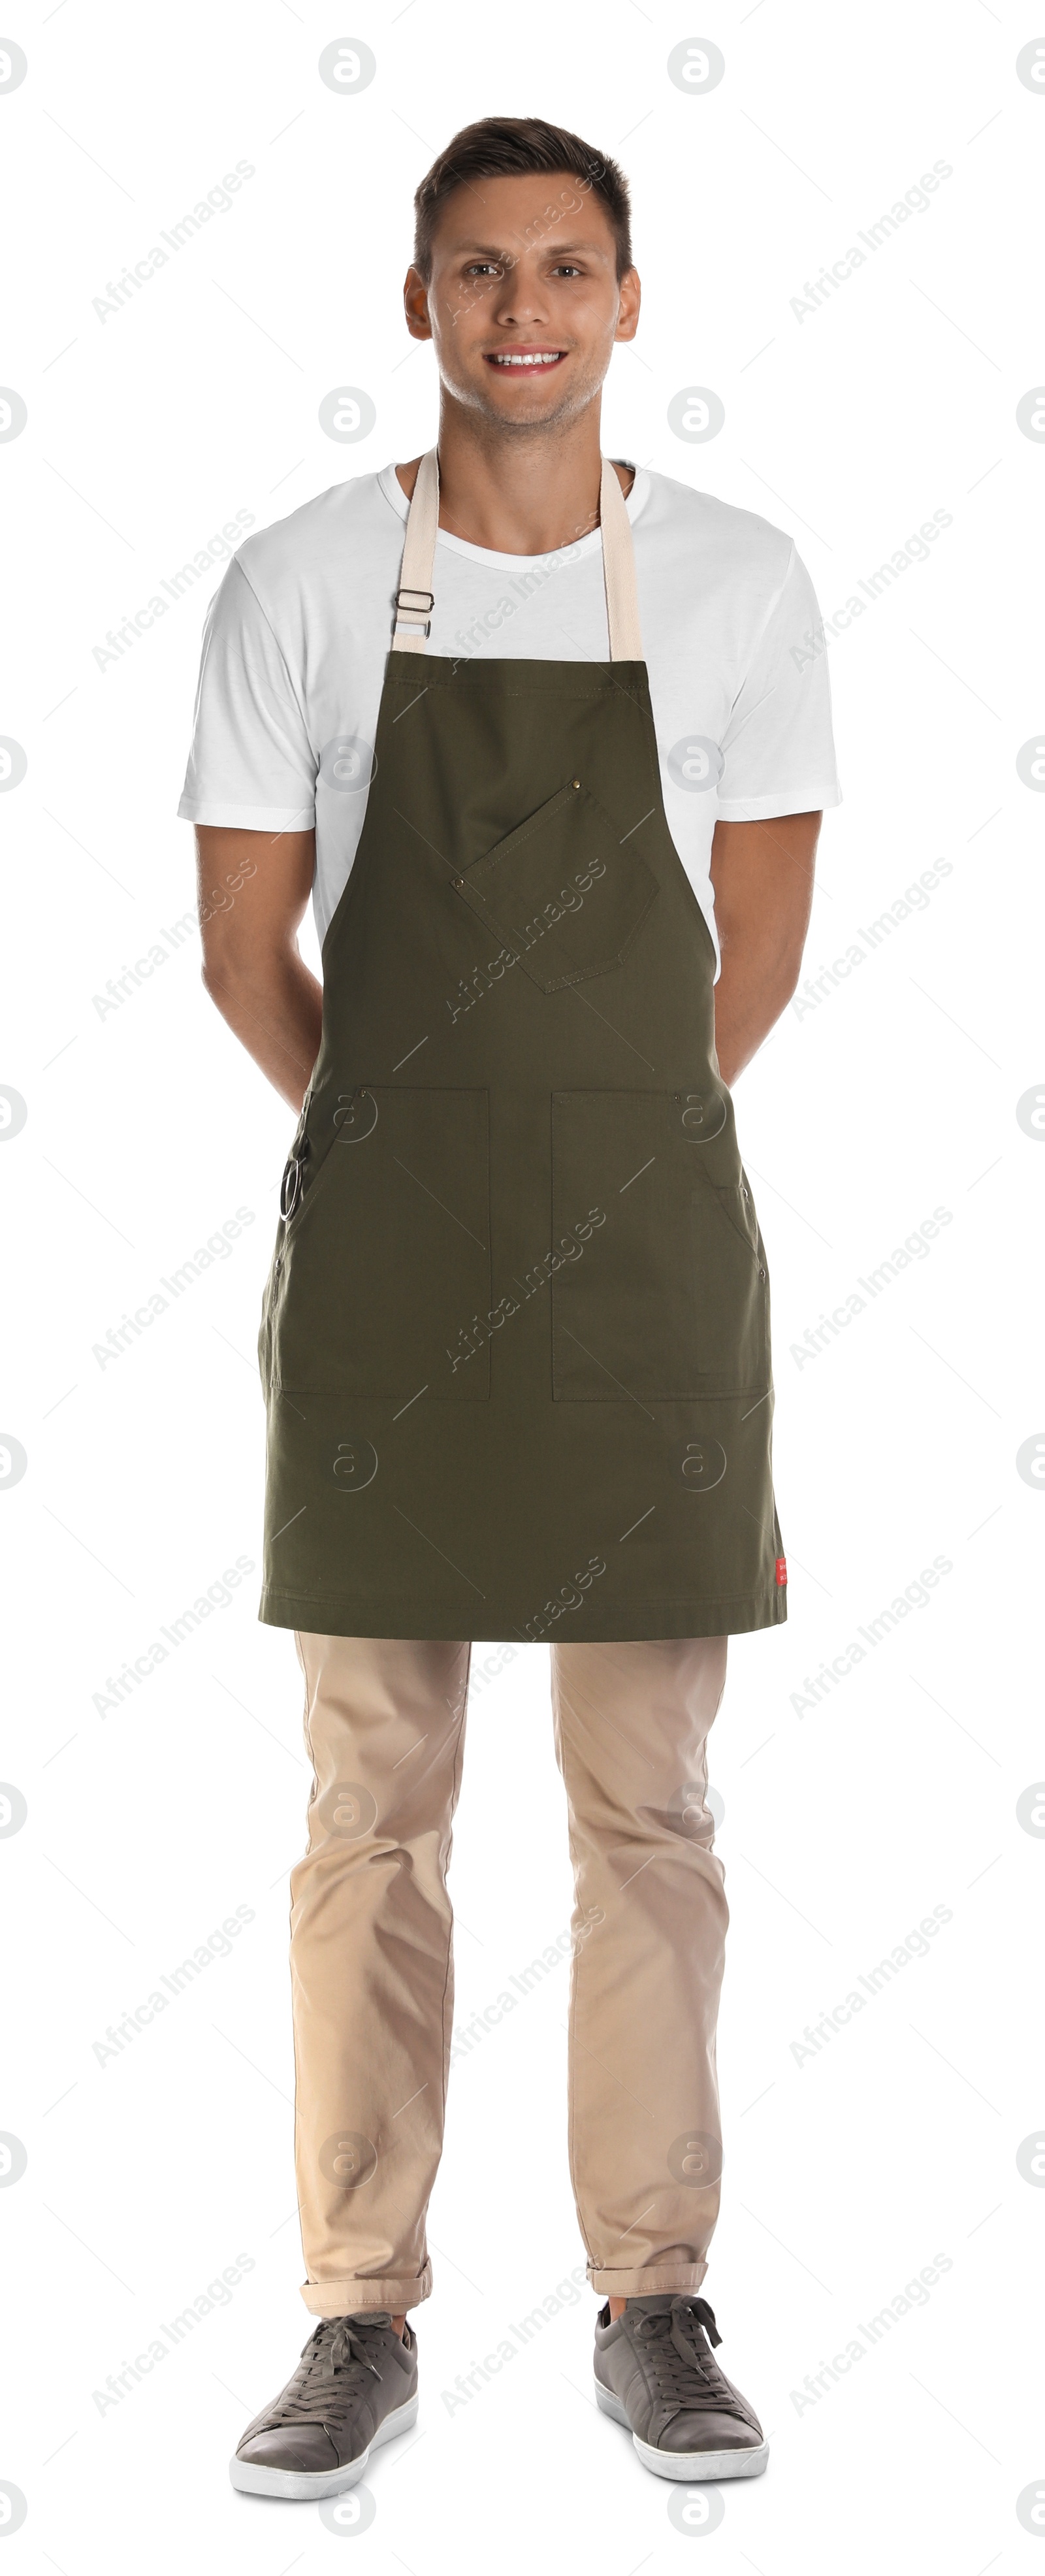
(667, 1296)
(563, 891)
(385, 1261)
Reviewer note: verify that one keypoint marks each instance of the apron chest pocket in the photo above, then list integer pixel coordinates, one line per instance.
(384, 1259)
(563, 892)
(668, 1295)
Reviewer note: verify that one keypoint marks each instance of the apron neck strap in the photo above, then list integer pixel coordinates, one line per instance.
(415, 598)
(618, 570)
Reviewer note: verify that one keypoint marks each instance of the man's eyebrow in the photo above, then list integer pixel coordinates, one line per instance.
(562, 250)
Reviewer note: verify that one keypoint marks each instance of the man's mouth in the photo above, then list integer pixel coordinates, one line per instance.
(519, 358)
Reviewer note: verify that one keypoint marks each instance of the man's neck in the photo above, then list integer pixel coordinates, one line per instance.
(517, 495)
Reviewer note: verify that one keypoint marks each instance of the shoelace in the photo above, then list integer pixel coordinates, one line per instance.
(683, 2367)
(334, 2357)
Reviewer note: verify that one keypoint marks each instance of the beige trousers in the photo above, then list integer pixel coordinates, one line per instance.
(372, 1960)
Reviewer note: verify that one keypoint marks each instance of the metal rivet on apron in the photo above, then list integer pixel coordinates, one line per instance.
(575, 782)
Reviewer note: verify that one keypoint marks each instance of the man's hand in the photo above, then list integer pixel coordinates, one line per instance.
(253, 889)
(762, 874)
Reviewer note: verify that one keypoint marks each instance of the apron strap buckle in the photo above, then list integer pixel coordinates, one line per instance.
(414, 608)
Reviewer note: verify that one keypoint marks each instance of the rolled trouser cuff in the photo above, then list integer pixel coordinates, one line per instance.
(347, 2297)
(647, 2282)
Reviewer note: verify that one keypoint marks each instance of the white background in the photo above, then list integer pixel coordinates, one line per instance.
(846, 1821)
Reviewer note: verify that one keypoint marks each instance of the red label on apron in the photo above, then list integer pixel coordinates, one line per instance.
(781, 1569)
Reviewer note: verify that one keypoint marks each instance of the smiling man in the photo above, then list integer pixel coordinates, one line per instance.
(530, 726)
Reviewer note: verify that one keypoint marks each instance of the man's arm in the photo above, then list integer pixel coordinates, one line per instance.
(762, 875)
(253, 889)
(254, 886)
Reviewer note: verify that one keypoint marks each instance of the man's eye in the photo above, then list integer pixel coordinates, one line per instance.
(482, 268)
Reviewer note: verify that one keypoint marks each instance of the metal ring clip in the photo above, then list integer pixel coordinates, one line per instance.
(290, 1187)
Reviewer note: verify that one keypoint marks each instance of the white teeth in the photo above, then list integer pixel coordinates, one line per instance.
(549, 358)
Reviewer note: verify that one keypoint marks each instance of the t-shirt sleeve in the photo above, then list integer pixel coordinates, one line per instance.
(778, 748)
(251, 766)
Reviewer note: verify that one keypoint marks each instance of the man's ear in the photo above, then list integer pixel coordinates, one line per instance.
(415, 305)
(630, 302)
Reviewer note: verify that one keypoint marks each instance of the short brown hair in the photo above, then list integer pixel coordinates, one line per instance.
(501, 147)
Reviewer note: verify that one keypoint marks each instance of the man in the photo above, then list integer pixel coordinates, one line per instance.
(537, 731)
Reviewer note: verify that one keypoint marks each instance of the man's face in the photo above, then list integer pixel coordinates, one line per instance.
(523, 304)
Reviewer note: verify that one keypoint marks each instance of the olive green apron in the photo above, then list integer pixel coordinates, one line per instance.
(515, 1334)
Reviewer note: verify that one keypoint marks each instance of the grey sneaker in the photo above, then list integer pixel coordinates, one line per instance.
(656, 2373)
(355, 2386)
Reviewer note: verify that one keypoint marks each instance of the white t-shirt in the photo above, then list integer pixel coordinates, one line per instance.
(296, 637)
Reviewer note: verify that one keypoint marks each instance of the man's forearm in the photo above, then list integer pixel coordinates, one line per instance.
(274, 1005)
(749, 998)
(762, 874)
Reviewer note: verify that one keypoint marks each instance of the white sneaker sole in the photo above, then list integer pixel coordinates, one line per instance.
(304, 2486)
(690, 2468)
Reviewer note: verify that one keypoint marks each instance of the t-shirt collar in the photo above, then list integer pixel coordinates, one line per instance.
(586, 545)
